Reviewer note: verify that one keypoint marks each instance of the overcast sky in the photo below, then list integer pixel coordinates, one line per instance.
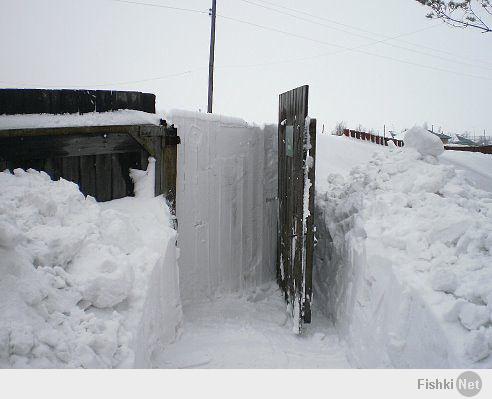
(106, 44)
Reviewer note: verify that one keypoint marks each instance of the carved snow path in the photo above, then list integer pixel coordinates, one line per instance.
(252, 331)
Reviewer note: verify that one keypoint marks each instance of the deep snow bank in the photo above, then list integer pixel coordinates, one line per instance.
(403, 261)
(83, 284)
(226, 204)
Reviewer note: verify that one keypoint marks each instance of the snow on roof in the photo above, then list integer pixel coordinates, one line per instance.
(440, 135)
(121, 117)
(464, 141)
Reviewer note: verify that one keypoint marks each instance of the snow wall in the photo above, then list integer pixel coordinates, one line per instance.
(396, 266)
(385, 324)
(226, 204)
(82, 283)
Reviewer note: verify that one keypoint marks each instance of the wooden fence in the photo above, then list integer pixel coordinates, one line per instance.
(485, 149)
(97, 158)
(372, 138)
(399, 143)
(42, 101)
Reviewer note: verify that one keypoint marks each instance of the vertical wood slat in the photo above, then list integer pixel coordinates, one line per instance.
(170, 156)
(309, 238)
(53, 167)
(118, 185)
(71, 169)
(88, 175)
(103, 177)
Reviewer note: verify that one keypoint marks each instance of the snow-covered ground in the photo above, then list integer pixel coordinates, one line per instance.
(403, 262)
(252, 330)
(476, 166)
(83, 284)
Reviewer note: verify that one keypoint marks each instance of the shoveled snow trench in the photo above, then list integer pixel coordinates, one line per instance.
(402, 267)
(252, 330)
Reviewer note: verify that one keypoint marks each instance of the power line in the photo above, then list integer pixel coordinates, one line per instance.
(341, 50)
(365, 30)
(161, 6)
(106, 84)
(384, 42)
(327, 43)
(356, 49)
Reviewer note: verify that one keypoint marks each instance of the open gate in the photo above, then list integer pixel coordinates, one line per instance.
(296, 173)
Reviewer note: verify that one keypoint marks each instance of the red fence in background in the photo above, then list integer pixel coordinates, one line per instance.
(486, 149)
(371, 137)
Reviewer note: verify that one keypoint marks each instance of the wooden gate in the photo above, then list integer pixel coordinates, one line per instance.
(296, 155)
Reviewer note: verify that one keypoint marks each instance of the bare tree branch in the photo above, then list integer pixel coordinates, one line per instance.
(463, 14)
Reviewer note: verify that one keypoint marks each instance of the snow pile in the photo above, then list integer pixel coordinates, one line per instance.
(423, 141)
(120, 117)
(83, 284)
(226, 204)
(404, 259)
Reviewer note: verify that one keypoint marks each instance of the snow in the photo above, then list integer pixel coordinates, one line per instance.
(144, 180)
(120, 117)
(83, 284)
(475, 166)
(402, 272)
(403, 261)
(226, 204)
(423, 141)
(252, 330)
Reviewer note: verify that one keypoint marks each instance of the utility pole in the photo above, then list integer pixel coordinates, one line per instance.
(211, 59)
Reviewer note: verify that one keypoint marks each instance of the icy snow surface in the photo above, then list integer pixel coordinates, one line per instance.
(403, 262)
(120, 117)
(83, 284)
(252, 331)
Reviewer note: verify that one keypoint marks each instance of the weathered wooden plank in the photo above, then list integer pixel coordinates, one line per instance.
(29, 164)
(127, 161)
(35, 101)
(103, 177)
(53, 167)
(148, 102)
(71, 169)
(87, 101)
(37, 147)
(151, 130)
(103, 101)
(69, 101)
(7, 102)
(88, 175)
(118, 182)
